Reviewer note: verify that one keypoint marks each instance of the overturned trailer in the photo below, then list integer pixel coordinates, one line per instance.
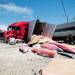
(41, 28)
(65, 32)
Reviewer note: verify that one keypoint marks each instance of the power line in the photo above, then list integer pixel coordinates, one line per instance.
(64, 10)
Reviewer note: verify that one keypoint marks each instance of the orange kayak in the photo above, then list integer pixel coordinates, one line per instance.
(45, 52)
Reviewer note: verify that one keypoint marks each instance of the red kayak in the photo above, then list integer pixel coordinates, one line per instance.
(45, 52)
(49, 46)
(66, 47)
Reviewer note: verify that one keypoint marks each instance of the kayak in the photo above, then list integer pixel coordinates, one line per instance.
(49, 46)
(66, 47)
(45, 52)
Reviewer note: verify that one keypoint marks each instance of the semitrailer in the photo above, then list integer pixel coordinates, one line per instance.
(65, 32)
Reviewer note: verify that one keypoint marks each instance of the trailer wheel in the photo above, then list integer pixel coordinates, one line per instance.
(70, 39)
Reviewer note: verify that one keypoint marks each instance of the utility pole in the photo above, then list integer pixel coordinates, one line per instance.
(64, 10)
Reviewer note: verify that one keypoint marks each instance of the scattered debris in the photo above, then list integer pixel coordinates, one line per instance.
(23, 48)
(47, 47)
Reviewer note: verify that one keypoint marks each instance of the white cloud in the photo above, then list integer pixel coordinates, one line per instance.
(3, 27)
(15, 8)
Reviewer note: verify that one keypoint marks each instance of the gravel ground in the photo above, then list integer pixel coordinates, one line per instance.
(13, 62)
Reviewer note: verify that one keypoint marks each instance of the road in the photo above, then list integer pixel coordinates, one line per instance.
(13, 62)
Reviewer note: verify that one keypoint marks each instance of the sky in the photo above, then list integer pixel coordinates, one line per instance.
(29, 10)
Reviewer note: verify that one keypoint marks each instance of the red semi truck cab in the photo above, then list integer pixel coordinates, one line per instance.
(18, 30)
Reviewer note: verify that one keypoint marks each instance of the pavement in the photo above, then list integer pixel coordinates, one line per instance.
(13, 62)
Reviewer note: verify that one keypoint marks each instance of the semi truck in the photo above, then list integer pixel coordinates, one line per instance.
(16, 30)
(24, 30)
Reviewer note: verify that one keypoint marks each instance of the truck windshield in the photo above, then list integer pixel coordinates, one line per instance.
(14, 28)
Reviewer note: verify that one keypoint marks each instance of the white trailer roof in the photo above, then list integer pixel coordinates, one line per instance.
(65, 25)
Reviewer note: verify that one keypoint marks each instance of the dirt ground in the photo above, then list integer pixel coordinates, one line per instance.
(13, 62)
